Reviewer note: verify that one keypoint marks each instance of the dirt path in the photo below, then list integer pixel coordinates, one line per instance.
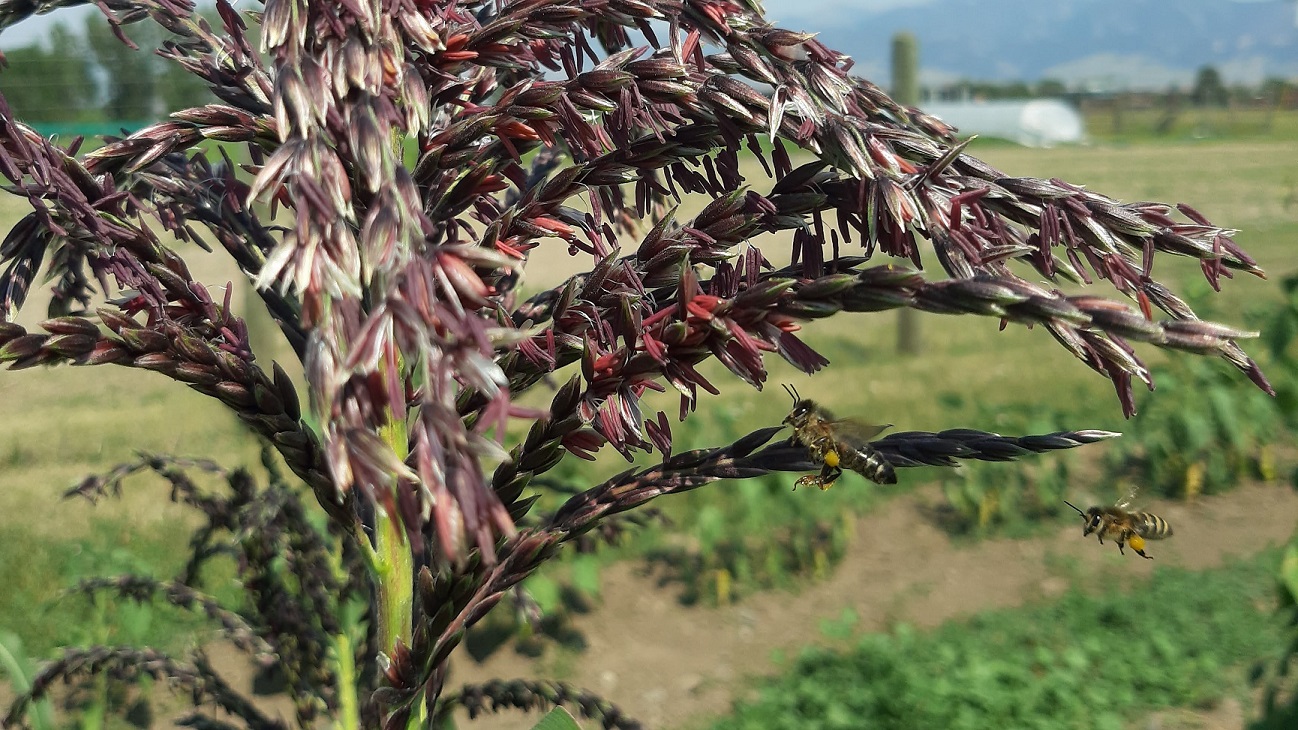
(670, 666)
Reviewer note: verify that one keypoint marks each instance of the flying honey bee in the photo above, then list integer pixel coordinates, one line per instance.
(1127, 527)
(837, 444)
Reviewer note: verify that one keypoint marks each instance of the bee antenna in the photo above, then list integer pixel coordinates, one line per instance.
(1070, 504)
(792, 391)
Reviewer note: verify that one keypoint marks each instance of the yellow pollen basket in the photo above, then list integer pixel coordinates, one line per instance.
(831, 458)
(1136, 542)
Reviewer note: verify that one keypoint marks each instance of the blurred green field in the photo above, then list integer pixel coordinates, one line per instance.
(1152, 124)
(65, 423)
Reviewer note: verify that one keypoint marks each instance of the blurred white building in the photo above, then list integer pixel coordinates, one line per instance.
(1029, 122)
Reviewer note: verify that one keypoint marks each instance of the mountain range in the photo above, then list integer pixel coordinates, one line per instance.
(1095, 44)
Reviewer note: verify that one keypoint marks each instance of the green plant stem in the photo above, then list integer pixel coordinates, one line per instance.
(94, 714)
(396, 573)
(395, 582)
(349, 711)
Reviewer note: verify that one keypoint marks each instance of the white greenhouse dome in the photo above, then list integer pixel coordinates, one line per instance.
(1030, 122)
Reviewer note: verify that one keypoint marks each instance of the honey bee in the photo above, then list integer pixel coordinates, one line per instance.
(1127, 527)
(836, 443)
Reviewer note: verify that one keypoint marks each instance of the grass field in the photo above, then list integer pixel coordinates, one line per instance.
(1153, 125)
(65, 423)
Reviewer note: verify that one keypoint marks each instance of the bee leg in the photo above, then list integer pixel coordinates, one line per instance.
(828, 475)
(1138, 544)
(808, 480)
(1121, 548)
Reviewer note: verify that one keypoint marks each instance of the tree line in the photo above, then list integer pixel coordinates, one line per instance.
(92, 77)
(1209, 89)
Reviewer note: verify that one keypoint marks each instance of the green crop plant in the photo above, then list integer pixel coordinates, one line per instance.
(990, 497)
(982, 498)
(1203, 437)
(1280, 328)
(751, 535)
(1277, 676)
(1080, 662)
(1201, 433)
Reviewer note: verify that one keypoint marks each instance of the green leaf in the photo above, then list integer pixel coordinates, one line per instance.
(558, 719)
(585, 575)
(18, 668)
(134, 621)
(841, 628)
(1278, 333)
(1224, 411)
(1289, 572)
(710, 526)
(545, 592)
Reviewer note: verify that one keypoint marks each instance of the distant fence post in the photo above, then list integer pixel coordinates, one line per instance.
(905, 69)
(905, 90)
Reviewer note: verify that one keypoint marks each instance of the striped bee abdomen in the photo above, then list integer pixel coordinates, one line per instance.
(868, 463)
(1152, 527)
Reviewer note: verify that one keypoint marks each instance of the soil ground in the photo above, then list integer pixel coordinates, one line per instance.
(671, 666)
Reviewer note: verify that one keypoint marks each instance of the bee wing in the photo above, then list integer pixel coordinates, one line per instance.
(858, 432)
(1130, 498)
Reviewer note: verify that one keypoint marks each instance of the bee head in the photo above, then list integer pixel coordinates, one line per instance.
(802, 407)
(1093, 518)
(1094, 521)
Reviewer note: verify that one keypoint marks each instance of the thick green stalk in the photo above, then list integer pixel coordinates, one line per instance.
(349, 709)
(396, 576)
(396, 572)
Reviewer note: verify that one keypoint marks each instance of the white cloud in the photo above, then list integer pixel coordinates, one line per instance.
(1253, 70)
